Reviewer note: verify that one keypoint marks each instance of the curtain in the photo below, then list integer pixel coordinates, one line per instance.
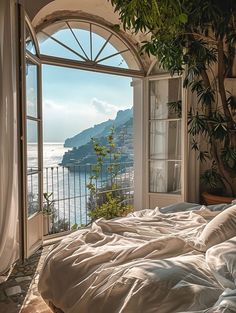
(9, 246)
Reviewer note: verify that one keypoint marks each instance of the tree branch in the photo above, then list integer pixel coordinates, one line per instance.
(222, 92)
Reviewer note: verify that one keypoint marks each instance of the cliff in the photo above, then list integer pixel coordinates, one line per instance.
(123, 138)
(100, 130)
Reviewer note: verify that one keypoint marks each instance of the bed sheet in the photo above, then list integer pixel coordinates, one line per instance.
(141, 263)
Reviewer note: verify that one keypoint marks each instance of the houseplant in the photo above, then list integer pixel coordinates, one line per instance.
(197, 38)
(48, 212)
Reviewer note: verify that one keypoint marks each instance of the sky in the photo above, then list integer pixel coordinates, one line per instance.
(74, 100)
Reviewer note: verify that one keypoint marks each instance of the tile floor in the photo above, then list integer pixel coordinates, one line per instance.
(19, 294)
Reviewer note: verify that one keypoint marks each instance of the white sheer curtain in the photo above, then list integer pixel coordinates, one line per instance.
(9, 247)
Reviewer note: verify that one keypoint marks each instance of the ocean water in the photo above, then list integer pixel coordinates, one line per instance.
(52, 154)
(68, 188)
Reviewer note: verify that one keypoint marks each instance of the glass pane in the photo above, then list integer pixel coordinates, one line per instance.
(115, 61)
(165, 140)
(48, 46)
(165, 176)
(165, 98)
(68, 38)
(29, 43)
(33, 194)
(31, 89)
(107, 51)
(88, 42)
(32, 145)
(100, 36)
(82, 33)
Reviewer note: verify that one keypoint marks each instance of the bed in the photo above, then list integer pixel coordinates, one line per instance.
(178, 259)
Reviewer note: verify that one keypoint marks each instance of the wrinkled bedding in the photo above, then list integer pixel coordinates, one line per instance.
(143, 263)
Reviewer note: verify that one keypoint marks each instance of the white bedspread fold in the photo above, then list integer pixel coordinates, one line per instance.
(139, 264)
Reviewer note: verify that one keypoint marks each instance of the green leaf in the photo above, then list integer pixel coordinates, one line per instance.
(183, 18)
(203, 156)
(74, 227)
(212, 179)
(228, 155)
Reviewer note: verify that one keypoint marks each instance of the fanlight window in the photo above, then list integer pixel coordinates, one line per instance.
(29, 42)
(86, 42)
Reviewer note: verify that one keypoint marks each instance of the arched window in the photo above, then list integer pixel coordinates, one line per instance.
(31, 43)
(88, 44)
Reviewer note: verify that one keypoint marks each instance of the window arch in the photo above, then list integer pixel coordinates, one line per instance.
(88, 44)
(31, 43)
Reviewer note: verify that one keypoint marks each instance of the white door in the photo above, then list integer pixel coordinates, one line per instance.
(32, 138)
(166, 129)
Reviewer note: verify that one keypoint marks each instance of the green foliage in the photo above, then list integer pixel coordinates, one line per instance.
(106, 204)
(74, 227)
(197, 124)
(231, 100)
(212, 180)
(59, 226)
(150, 14)
(49, 204)
(175, 107)
(229, 157)
(111, 208)
(196, 39)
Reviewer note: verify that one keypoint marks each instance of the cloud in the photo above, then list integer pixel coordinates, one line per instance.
(65, 120)
(62, 120)
(103, 107)
(52, 105)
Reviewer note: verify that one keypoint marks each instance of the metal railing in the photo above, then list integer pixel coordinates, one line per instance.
(69, 195)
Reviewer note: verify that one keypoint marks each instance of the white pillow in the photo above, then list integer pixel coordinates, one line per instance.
(220, 228)
(222, 261)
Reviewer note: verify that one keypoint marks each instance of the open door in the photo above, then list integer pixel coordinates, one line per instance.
(166, 149)
(31, 138)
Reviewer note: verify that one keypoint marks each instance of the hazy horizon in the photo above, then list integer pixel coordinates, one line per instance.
(74, 100)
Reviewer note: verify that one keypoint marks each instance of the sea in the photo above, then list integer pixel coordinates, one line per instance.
(68, 188)
(53, 153)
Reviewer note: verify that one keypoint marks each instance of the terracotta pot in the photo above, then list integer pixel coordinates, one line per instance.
(209, 199)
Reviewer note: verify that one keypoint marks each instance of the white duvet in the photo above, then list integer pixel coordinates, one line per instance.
(143, 263)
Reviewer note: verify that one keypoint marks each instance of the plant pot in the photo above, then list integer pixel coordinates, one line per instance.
(47, 224)
(209, 199)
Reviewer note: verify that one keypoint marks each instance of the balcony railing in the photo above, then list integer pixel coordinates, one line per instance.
(70, 197)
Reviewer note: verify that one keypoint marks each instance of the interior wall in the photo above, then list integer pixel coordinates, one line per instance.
(33, 7)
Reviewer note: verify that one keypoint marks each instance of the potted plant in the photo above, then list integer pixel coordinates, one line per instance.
(196, 38)
(48, 213)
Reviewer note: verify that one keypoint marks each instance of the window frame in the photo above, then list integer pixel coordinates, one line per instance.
(90, 66)
(160, 199)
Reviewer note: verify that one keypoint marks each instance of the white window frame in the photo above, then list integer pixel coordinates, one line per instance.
(152, 200)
